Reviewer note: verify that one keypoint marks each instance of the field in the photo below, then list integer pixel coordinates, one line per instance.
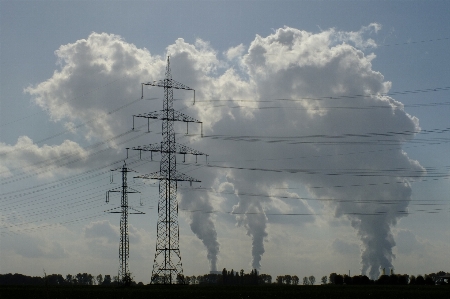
(228, 292)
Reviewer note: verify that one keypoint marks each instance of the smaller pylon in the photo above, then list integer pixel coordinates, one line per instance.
(124, 248)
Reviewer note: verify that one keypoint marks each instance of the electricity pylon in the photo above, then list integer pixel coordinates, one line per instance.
(124, 248)
(167, 266)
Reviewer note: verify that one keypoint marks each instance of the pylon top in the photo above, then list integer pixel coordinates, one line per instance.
(168, 74)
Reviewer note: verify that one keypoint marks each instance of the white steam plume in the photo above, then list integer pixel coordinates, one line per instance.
(203, 225)
(298, 65)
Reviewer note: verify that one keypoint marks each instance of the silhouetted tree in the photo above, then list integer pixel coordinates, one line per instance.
(107, 280)
(54, 279)
(429, 280)
(383, 279)
(403, 279)
(324, 279)
(280, 279)
(99, 279)
(295, 280)
(115, 279)
(393, 279)
(338, 279)
(347, 279)
(365, 280)
(312, 280)
(332, 278)
(187, 280)
(193, 279)
(305, 281)
(412, 279)
(356, 279)
(287, 279)
(19, 279)
(224, 276)
(264, 279)
(420, 280)
(84, 279)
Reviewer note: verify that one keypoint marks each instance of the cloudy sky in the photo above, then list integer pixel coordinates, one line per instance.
(326, 125)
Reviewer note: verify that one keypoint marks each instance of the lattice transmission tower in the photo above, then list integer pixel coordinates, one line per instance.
(124, 247)
(167, 266)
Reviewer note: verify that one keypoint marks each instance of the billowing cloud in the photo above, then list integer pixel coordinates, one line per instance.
(29, 157)
(102, 60)
(293, 109)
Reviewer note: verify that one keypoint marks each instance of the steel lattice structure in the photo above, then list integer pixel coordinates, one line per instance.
(167, 266)
(124, 247)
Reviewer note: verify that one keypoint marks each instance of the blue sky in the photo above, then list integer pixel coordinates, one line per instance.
(402, 46)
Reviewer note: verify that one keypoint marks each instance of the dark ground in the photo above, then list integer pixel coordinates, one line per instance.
(228, 292)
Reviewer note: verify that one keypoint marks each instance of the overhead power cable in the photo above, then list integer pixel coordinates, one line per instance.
(329, 136)
(379, 213)
(340, 200)
(341, 97)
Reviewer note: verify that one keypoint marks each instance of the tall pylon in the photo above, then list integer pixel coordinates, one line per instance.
(124, 247)
(167, 266)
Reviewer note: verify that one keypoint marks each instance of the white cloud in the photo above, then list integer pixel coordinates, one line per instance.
(336, 153)
(234, 52)
(102, 60)
(45, 160)
(359, 38)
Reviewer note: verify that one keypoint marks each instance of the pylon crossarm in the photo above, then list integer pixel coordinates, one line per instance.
(113, 190)
(123, 169)
(176, 176)
(153, 115)
(135, 211)
(111, 211)
(183, 149)
(132, 190)
(162, 115)
(155, 147)
(179, 116)
(168, 83)
(180, 149)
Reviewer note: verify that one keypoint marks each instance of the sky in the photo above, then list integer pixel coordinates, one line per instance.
(326, 125)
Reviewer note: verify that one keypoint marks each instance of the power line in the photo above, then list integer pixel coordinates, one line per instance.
(341, 97)
(415, 42)
(407, 133)
(380, 213)
(340, 200)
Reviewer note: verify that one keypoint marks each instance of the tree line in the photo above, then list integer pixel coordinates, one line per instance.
(229, 278)
(58, 279)
(392, 279)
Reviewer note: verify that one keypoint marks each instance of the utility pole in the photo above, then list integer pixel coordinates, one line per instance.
(124, 248)
(167, 266)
